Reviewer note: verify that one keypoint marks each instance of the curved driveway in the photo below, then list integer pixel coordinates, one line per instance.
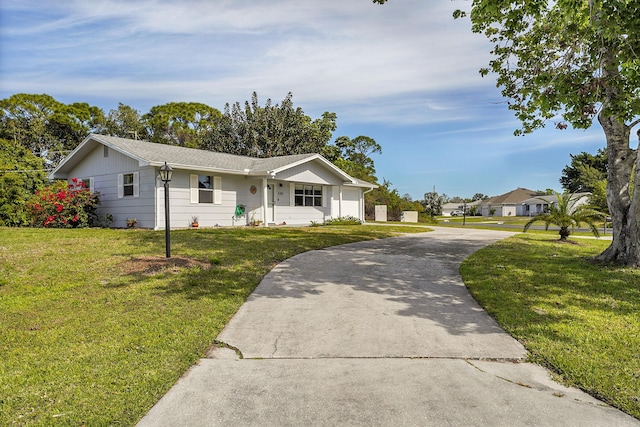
(374, 333)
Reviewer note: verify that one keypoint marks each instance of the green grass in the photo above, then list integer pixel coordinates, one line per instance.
(87, 339)
(578, 319)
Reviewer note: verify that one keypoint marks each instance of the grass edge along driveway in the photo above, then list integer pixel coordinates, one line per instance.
(96, 325)
(576, 318)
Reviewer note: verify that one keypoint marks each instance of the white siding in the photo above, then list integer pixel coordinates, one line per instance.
(310, 173)
(104, 171)
(285, 212)
(301, 215)
(352, 205)
(334, 201)
(252, 202)
(351, 202)
(96, 164)
(209, 214)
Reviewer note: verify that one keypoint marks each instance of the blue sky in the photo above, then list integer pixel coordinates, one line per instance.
(405, 74)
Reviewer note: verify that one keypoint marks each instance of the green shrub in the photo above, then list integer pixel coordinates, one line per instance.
(63, 205)
(21, 174)
(343, 220)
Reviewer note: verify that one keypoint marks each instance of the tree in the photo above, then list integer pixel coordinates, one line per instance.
(272, 130)
(588, 173)
(71, 123)
(353, 156)
(577, 59)
(125, 122)
(433, 203)
(584, 170)
(598, 197)
(385, 195)
(566, 214)
(479, 196)
(455, 199)
(47, 127)
(181, 123)
(21, 174)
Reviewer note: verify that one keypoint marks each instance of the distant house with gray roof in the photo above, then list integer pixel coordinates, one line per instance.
(467, 207)
(524, 202)
(508, 204)
(220, 189)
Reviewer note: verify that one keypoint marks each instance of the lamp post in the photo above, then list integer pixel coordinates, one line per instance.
(166, 173)
(464, 213)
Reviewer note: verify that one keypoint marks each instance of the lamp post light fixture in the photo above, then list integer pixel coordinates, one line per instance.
(166, 173)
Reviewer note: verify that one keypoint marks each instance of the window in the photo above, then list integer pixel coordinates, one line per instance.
(128, 185)
(88, 184)
(308, 195)
(206, 189)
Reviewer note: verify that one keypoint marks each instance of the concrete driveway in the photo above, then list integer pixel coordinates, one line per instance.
(374, 333)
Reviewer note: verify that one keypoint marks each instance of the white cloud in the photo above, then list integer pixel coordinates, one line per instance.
(331, 53)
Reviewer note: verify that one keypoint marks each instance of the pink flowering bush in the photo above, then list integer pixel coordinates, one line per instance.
(63, 205)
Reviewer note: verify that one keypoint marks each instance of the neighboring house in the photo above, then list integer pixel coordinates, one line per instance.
(508, 204)
(447, 208)
(216, 187)
(540, 204)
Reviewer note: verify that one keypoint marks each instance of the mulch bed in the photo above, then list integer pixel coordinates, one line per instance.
(150, 265)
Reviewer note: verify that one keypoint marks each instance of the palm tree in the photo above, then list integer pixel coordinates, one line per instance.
(565, 214)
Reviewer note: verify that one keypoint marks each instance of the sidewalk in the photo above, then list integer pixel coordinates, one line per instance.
(374, 333)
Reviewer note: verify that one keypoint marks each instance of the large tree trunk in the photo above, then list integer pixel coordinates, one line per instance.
(623, 206)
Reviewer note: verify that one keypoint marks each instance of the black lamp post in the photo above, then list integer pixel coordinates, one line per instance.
(464, 213)
(166, 173)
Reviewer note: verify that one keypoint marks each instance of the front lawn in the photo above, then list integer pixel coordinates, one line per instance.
(96, 325)
(576, 318)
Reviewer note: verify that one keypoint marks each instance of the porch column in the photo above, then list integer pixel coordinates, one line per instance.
(265, 200)
(340, 204)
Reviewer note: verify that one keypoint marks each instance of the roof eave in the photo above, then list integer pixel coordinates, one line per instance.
(59, 171)
(361, 185)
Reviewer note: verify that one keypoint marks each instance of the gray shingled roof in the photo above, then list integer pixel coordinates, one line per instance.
(516, 196)
(193, 158)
